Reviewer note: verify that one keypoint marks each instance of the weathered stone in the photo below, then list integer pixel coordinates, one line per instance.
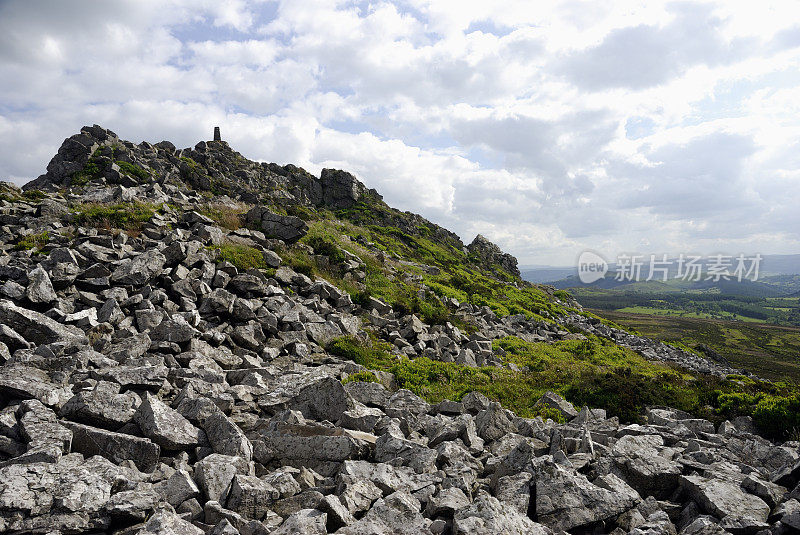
(165, 426)
(325, 399)
(140, 269)
(722, 498)
(116, 447)
(102, 406)
(494, 422)
(250, 496)
(37, 328)
(215, 473)
(180, 487)
(566, 500)
(487, 516)
(40, 289)
(551, 400)
(306, 521)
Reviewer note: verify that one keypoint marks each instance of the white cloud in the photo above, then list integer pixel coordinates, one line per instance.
(550, 128)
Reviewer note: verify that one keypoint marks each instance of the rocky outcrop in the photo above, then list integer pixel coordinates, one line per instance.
(489, 255)
(148, 386)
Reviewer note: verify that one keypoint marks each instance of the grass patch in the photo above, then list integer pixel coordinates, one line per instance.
(32, 241)
(360, 377)
(243, 257)
(133, 170)
(225, 216)
(127, 216)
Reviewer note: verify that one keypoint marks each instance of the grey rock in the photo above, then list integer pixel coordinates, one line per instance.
(37, 328)
(102, 406)
(722, 498)
(487, 516)
(552, 400)
(638, 461)
(325, 399)
(214, 474)
(566, 500)
(306, 521)
(165, 426)
(494, 422)
(40, 290)
(180, 487)
(140, 269)
(116, 447)
(169, 523)
(226, 437)
(286, 228)
(250, 496)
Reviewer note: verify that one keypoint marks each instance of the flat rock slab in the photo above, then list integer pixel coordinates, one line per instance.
(723, 498)
(116, 447)
(566, 500)
(37, 328)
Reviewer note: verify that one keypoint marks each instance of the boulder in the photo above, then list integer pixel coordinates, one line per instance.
(566, 500)
(165, 426)
(116, 447)
(723, 498)
(37, 328)
(283, 227)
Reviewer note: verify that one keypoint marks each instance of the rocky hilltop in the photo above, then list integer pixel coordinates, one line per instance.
(193, 342)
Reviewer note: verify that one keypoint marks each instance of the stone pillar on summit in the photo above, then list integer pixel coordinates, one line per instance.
(217, 135)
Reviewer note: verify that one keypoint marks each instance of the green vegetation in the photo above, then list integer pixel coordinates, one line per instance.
(363, 377)
(35, 195)
(128, 216)
(770, 351)
(133, 170)
(93, 169)
(710, 303)
(33, 241)
(243, 257)
(225, 216)
(593, 372)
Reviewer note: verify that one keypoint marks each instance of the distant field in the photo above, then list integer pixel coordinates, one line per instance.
(770, 351)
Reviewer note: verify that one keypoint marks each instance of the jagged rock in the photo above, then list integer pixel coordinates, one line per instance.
(490, 254)
(487, 516)
(40, 289)
(225, 436)
(140, 269)
(250, 496)
(180, 487)
(286, 228)
(493, 422)
(398, 513)
(722, 498)
(215, 473)
(116, 447)
(169, 523)
(26, 382)
(37, 328)
(307, 521)
(325, 399)
(554, 401)
(340, 189)
(165, 426)
(638, 461)
(566, 500)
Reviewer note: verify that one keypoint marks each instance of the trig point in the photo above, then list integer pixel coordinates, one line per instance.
(217, 136)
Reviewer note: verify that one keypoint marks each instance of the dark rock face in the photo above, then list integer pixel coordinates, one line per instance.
(340, 189)
(490, 255)
(147, 386)
(283, 227)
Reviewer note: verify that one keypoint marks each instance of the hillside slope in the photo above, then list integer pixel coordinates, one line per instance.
(195, 342)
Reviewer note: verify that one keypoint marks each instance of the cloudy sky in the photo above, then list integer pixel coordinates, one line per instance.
(549, 126)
